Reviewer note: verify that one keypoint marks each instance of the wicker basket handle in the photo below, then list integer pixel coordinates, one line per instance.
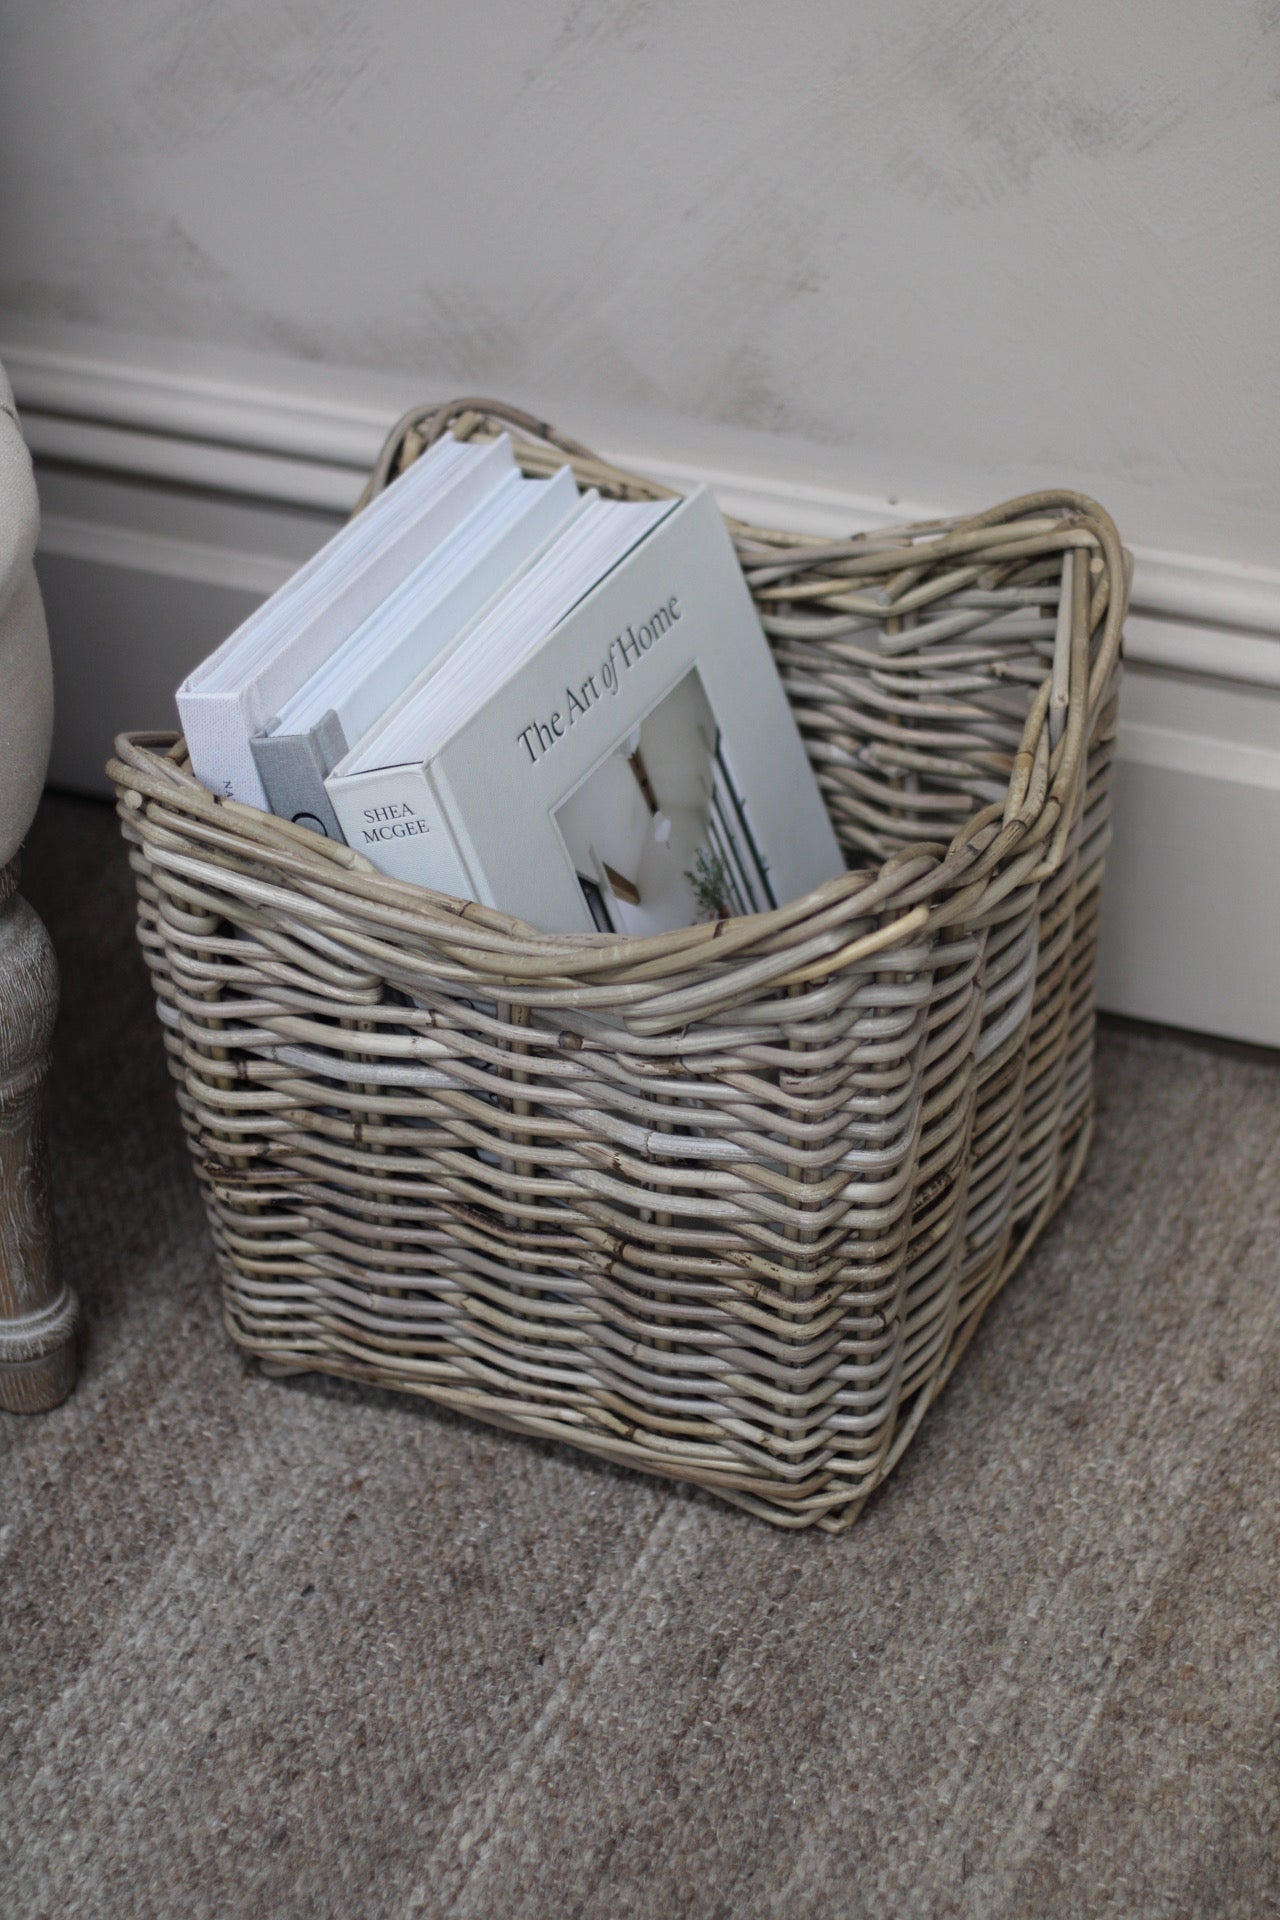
(422, 426)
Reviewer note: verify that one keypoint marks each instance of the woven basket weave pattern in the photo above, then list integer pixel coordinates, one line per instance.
(725, 1204)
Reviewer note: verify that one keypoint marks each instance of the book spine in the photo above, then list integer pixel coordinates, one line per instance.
(293, 766)
(394, 818)
(470, 860)
(218, 744)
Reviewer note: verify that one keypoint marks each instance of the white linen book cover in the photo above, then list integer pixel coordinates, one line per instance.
(638, 770)
(241, 686)
(367, 674)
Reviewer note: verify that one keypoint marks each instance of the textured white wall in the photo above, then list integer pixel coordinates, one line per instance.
(944, 249)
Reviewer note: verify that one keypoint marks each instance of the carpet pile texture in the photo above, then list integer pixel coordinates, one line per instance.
(291, 1649)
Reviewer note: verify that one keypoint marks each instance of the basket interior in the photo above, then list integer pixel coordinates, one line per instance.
(912, 721)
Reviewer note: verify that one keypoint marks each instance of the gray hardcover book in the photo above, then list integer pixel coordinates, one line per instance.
(292, 769)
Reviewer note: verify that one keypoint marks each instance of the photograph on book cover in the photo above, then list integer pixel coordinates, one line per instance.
(658, 831)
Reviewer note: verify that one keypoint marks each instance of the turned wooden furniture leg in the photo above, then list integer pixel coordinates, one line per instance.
(37, 1312)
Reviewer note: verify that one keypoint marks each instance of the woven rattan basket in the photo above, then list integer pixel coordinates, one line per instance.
(724, 1204)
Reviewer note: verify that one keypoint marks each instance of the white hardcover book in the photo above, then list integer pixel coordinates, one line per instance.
(609, 748)
(379, 800)
(367, 674)
(241, 687)
(395, 818)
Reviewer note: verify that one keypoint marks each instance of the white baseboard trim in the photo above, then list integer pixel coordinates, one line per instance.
(237, 437)
(167, 556)
(1190, 937)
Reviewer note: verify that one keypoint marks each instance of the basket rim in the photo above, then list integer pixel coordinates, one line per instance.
(916, 890)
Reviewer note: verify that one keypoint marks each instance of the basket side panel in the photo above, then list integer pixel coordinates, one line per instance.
(724, 1252)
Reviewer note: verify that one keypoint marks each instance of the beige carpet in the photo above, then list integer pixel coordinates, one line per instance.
(280, 1650)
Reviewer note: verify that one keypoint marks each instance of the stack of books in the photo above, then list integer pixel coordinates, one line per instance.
(518, 693)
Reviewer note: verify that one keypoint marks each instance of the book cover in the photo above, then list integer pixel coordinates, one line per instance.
(639, 770)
